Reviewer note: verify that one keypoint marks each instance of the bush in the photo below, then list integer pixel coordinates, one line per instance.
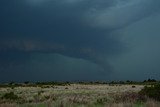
(151, 92)
(102, 101)
(133, 86)
(10, 96)
(129, 97)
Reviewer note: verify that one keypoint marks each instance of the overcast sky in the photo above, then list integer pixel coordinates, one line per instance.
(75, 40)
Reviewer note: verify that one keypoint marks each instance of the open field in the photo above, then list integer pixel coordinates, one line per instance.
(75, 95)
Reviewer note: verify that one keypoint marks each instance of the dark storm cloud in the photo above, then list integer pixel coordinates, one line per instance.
(123, 13)
(75, 28)
(55, 26)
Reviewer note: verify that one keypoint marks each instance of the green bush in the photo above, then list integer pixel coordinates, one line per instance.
(151, 92)
(102, 101)
(10, 96)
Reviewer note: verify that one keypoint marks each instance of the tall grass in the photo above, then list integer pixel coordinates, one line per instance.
(76, 95)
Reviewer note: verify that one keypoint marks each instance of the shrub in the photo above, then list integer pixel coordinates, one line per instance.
(133, 86)
(151, 92)
(101, 101)
(128, 97)
(66, 88)
(10, 96)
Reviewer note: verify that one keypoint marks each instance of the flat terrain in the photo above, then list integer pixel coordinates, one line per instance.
(74, 95)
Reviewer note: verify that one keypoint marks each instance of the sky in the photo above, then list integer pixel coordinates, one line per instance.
(79, 40)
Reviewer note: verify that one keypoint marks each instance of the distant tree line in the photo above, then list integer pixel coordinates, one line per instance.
(54, 83)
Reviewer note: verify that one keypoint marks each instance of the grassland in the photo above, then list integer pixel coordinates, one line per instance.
(75, 95)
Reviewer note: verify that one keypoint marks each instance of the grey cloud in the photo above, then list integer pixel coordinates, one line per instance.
(122, 14)
(75, 28)
(60, 28)
(143, 59)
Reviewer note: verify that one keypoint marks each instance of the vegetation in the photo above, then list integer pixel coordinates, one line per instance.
(78, 94)
(152, 91)
(10, 96)
(54, 83)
